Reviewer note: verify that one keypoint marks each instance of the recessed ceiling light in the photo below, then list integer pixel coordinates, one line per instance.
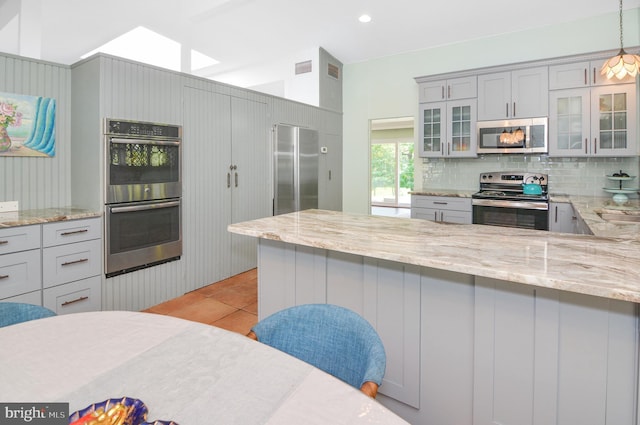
(364, 19)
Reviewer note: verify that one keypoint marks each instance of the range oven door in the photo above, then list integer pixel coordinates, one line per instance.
(142, 169)
(525, 215)
(142, 234)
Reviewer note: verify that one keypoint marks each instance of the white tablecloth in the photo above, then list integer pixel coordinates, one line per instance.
(183, 371)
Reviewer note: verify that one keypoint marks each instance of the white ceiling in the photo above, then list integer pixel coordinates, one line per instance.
(242, 33)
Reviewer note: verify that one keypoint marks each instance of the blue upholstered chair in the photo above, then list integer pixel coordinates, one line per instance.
(331, 338)
(12, 313)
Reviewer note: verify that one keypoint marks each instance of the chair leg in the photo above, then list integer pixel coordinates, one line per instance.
(370, 389)
(252, 335)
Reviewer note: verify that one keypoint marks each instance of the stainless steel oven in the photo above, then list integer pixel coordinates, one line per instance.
(143, 208)
(503, 201)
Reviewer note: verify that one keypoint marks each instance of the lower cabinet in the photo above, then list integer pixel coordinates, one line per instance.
(562, 218)
(449, 209)
(57, 265)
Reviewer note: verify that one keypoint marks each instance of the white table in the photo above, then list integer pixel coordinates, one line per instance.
(183, 371)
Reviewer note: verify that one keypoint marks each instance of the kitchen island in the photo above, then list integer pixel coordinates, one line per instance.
(481, 324)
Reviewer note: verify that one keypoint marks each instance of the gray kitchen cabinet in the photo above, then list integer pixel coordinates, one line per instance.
(447, 129)
(57, 265)
(226, 149)
(451, 89)
(534, 363)
(562, 218)
(72, 265)
(449, 209)
(521, 93)
(20, 264)
(581, 74)
(387, 294)
(330, 169)
(593, 121)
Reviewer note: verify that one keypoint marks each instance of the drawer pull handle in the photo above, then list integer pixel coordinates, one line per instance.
(74, 232)
(66, 303)
(4, 276)
(68, 263)
(4, 242)
(439, 203)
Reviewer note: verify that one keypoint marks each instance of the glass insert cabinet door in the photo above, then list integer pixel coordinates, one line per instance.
(593, 122)
(432, 116)
(448, 129)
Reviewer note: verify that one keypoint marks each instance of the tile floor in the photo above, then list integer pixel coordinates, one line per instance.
(231, 304)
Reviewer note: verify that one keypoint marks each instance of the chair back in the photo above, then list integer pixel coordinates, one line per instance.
(12, 313)
(331, 338)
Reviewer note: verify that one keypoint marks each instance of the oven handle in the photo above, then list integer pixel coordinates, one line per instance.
(131, 208)
(145, 142)
(510, 204)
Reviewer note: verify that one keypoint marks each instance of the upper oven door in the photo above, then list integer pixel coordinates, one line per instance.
(142, 169)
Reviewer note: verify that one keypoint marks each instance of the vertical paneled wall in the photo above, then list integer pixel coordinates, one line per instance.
(116, 88)
(39, 182)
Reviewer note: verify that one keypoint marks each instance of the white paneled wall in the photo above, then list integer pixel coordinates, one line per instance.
(38, 182)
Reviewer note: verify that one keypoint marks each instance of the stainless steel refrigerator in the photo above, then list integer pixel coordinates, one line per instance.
(296, 152)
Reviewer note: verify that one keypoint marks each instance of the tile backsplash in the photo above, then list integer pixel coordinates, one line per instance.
(572, 176)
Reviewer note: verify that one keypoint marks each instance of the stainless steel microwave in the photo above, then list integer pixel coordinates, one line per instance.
(525, 135)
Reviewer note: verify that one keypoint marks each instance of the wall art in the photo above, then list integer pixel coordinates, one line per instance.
(27, 125)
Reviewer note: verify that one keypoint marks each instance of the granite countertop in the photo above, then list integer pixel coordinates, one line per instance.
(47, 215)
(444, 192)
(599, 266)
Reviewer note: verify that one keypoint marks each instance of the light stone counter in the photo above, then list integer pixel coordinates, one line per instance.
(606, 267)
(444, 192)
(47, 215)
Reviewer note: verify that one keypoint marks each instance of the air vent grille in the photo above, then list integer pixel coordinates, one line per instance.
(303, 67)
(333, 71)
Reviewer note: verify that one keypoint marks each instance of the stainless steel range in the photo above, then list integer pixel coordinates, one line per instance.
(512, 199)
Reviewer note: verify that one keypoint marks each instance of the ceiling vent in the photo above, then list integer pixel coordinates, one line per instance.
(303, 67)
(333, 71)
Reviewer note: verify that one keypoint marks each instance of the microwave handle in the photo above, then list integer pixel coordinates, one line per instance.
(145, 142)
(132, 208)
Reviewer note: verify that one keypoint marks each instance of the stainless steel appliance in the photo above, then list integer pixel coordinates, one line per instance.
(296, 154)
(503, 200)
(142, 195)
(526, 135)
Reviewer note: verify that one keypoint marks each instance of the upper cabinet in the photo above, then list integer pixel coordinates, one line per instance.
(521, 93)
(448, 129)
(597, 121)
(590, 115)
(448, 118)
(581, 74)
(452, 89)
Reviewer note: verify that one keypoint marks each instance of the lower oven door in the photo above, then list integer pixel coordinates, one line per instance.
(525, 215)
(142, 234)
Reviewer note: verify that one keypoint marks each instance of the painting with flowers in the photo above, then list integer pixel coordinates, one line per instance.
(27, 125)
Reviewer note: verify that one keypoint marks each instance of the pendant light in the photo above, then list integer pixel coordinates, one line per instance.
(623, 63)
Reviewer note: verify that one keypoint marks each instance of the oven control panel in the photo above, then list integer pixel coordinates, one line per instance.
(141, 129)
(513, 178)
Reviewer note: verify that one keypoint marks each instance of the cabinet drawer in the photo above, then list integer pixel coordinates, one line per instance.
(19, 273)
(34, 297)
(441, 202)
(74, 297)
(65, 232)
(66, 263)
(21, 238)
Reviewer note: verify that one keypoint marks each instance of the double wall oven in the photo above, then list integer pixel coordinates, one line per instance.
(503, 200)
(142, 195)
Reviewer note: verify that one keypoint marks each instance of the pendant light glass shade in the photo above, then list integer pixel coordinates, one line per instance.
(623, 63)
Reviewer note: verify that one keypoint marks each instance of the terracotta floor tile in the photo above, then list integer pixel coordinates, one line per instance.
(239, 321)
(206, 310)
(230, 304)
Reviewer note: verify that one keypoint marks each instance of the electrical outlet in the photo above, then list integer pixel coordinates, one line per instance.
(8, 206)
